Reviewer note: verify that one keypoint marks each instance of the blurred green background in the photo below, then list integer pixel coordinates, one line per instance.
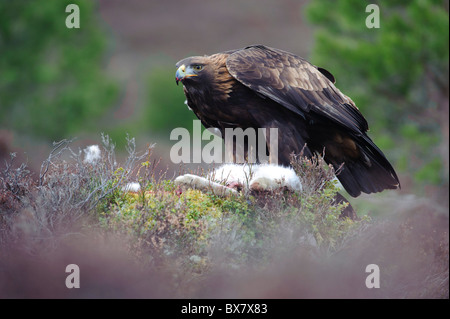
(116, 73)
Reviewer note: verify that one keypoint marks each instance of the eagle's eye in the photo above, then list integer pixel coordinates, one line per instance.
(197, 67)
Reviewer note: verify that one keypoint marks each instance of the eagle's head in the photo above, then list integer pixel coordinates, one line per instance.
(192, 70)
(205, 79)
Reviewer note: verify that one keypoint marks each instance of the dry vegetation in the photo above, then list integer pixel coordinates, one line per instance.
(164, 242)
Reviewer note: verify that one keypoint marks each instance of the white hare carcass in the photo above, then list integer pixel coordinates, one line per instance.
(230, 178)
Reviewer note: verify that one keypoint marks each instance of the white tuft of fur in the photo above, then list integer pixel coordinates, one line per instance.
(92, 154)
(132, 187)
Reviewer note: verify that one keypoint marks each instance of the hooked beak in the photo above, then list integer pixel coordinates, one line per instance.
(181, 74)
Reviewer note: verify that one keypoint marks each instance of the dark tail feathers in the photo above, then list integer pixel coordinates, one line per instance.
(372, 174)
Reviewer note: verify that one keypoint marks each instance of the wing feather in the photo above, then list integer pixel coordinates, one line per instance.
(294, 83)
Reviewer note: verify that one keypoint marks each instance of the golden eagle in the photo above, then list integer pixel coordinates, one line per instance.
(263, 87)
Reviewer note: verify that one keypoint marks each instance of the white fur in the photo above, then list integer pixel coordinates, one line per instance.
(271, 177)
(202, 183)
(253, 177)
(132, 187)
(229, 173)
(92, 154)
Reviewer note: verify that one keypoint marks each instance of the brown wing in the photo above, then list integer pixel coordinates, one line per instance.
(299, 86)
(295, 84)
